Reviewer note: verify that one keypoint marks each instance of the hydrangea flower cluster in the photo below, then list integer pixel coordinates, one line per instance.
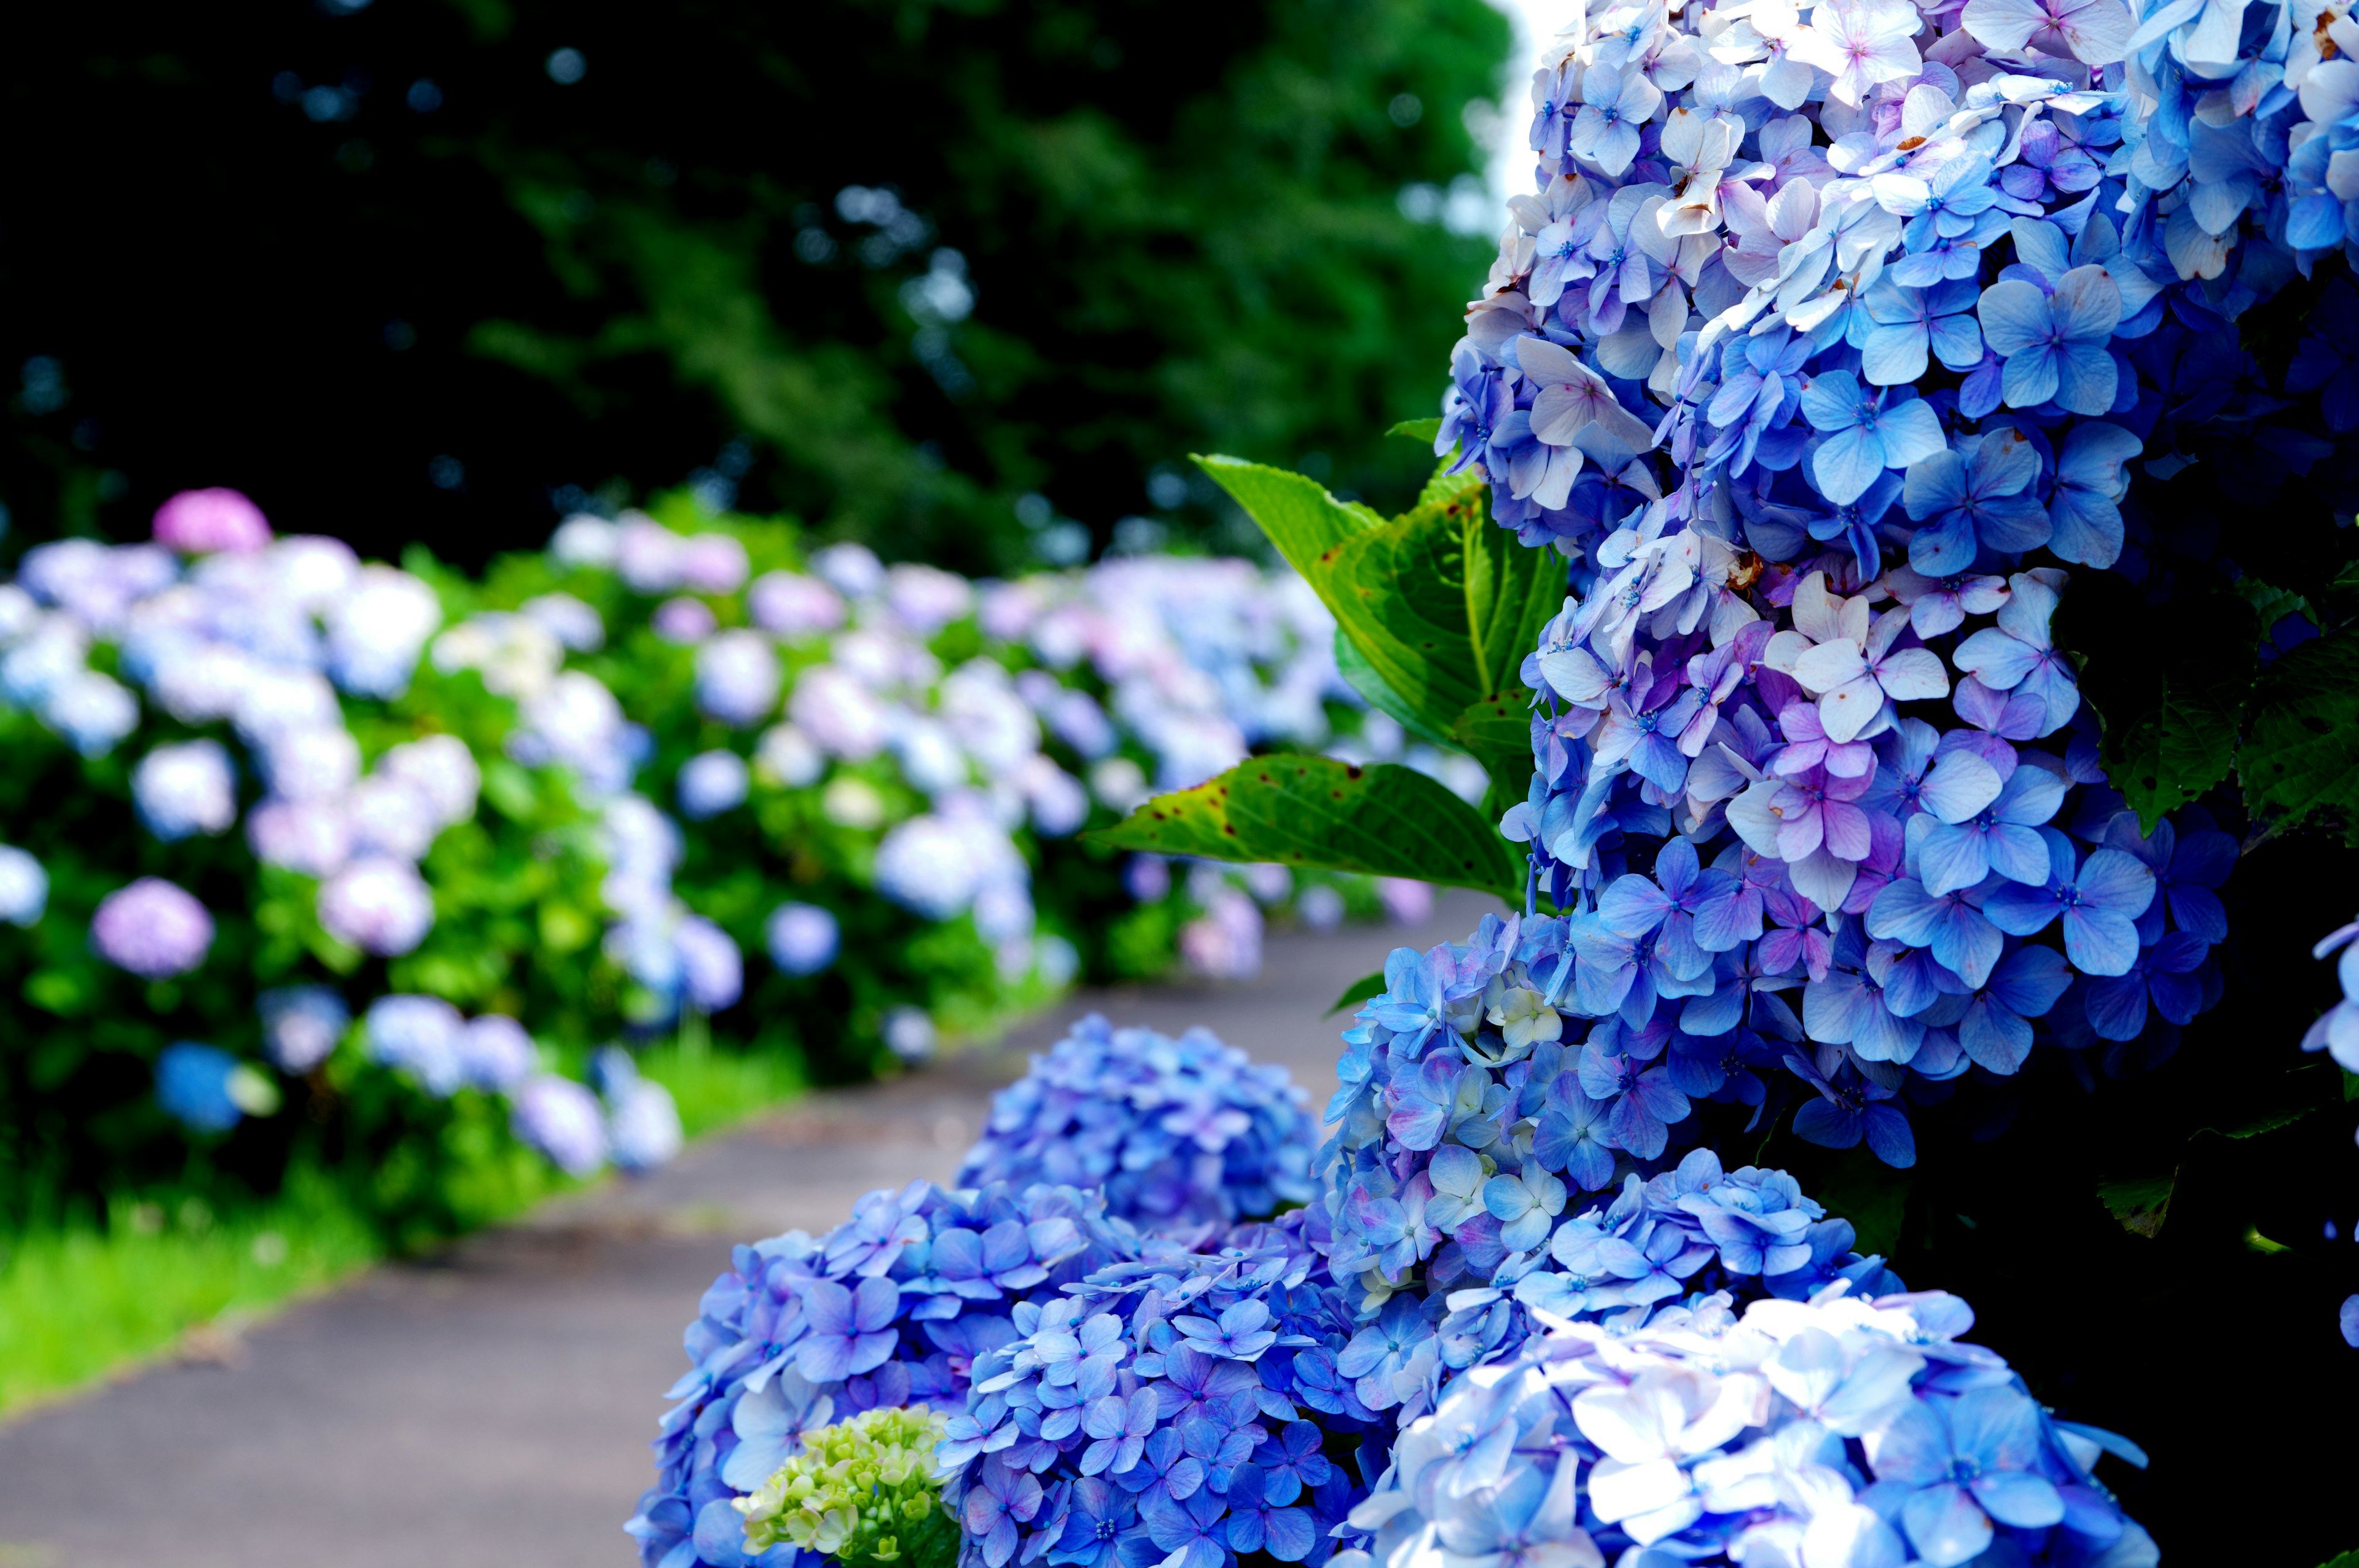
(1481, 1254)
(153, 928)
(263, 634)
(1840, 1432)
(863, 1492)
(891, 1308)
(1186, 1408)
(1822, 327)
(1176, 1133)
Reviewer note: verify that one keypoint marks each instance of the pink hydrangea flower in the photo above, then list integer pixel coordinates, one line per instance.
(204, 521)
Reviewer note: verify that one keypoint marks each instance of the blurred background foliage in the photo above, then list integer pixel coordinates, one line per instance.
(965, 279)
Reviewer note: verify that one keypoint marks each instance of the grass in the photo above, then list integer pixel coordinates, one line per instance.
(715, 1089)
(79, 1299)
(82, 1300)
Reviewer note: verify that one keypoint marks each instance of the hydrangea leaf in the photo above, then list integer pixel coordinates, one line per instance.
(2173, 688)
(1444, 604)
(2140, 1203)
(1185, 822)
(1301, 519)
(1358, 991)
(1423, 430)
(1498, 727)
(2182, 750)
(2303, 755)
(1316, 812)
(1353, 666)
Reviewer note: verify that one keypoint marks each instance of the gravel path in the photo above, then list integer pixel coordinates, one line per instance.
(490, 1408)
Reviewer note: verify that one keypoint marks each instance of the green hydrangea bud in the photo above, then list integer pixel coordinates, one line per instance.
(863, 1492)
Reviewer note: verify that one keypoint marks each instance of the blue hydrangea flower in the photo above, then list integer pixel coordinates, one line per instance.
(893, 1307)
(1864, 1428)
(1183, 1406)
(1175, 1132)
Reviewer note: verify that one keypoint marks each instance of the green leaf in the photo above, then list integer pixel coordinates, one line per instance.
(2185, 748)
(1444, 604)
(1186, 822)
(1358, 991)
(1441, 603)
(1301, 519)
(1353, 666)
(1871, 1194)
(1385, 821)
(2272, 605)
(2343, 1560)
(1426, 430)
(1444, 486)
(2140, 1203)
(1501, 723)
(2350, 1086)
(1511, 593)
(2268, 1122)
(2303, 755)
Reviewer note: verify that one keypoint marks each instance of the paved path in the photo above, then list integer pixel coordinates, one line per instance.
(491, 1408)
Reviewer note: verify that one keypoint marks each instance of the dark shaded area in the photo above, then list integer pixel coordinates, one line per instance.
(409, 271)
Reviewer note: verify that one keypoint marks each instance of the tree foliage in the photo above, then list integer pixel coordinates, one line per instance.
(897, 265)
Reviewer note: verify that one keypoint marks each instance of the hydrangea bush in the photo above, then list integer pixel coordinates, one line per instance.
(661, 772)
(1890, 555)
(891, 1309)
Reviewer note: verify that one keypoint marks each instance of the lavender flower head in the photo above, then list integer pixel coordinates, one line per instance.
(1843, 1431)
(711, 782)
(24, 887)
(890, 1308)
(185, 789)
(737, 678)
(1176, 1132)
(788, 606)
(684, 622)
(218, 519)
(802, 938)
(302, 1025)
(642, 1128)
(379, 905)
(377, 632)
(495, 1054)
(712, 972)
(422, 1035)
(154, 928)
(561, 1119)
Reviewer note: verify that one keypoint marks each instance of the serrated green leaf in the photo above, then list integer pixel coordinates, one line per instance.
(2175, 703)
(1444, 604)
(1315, 812)
(1426, 430)
(1361, 677)
(2343, 1560)
(2272, 604)
(2140, 1203)
(1301, 519)
(2185, 748)
(2268, 1122)
(1511, 593)
(1186, 822)
(1444, 486)
(1358, 991)
(1497, 732)
(1385, 821)
(1440, 604)
(2303, 753)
